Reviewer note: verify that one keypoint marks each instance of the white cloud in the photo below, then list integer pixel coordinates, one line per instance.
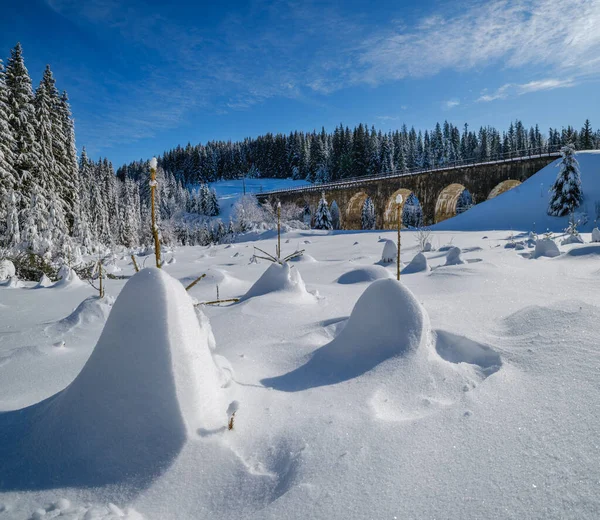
(512, 33)
(451, 103)
(512, 89)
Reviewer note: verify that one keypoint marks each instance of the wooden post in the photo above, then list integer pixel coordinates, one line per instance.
(278, 230)
(100, 278)
(399, 203)
(153, 185)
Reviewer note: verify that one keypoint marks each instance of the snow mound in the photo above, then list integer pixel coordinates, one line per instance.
(90, 310)
(278, 278)
(587, 250)
(7, 269)
(595, 235)
(572, 239)
(417, 265)
(13, 283)
(67, 277)
(149, 384)
(386, 322)
(364, 274)
(44, 282)
(454, 256)
(390, 252)
(545, 247)
(304, 259)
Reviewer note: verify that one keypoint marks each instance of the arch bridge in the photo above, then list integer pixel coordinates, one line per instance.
(436, 194)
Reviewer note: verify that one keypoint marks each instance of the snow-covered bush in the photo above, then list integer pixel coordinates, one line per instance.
(423, 235)
(7, 269)
(596, 234)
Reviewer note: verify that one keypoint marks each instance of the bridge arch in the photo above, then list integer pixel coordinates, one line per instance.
(390, 216)
(353, 213)
(452, 200)
(503, 187)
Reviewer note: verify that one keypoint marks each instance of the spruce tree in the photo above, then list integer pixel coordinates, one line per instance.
(23, 123)
(323, 216)
(8, 180)
(566, 195)
(368, 214)
(335, 215)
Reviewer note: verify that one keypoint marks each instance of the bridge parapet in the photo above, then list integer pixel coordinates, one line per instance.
(480, 179)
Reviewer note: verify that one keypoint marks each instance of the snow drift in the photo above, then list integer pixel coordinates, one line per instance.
(364, 274)
(278, 278)
(417, 265)
(386, 322)
(149, 384)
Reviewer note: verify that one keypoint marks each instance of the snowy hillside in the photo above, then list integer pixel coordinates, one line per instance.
(228, 192)
(467, 391)
(524, 208)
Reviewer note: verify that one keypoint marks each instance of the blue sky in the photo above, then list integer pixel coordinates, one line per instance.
(146, 75)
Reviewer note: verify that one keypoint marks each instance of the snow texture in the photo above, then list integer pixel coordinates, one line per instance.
(545, 247)
(417, 265)
(7, 269)
(364, 274)
(390, 252)
(278, 278)
(386, 322)
(149, 384)
(454, 256)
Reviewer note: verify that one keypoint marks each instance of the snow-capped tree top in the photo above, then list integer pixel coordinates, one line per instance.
(153, 163)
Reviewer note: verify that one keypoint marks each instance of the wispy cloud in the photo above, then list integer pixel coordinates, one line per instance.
(511, 33)
(514, 89)
(309, 49)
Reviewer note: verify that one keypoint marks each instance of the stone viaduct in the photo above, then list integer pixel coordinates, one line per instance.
(438, 191)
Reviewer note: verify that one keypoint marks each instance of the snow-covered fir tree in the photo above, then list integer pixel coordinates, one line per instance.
(368, 214)
(566, 194)
(7, 141)
(335, 215)
(323, 216)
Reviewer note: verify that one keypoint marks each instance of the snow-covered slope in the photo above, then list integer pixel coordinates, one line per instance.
(524, 208)
(228, 192)
(466, 392)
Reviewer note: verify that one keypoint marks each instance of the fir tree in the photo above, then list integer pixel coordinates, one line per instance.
(8, 180)
(566, 195)
(323, 216)
(368, 214)
(335, 215)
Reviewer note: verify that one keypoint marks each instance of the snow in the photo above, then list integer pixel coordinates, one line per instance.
(595, 235)
(525, 207)
(229, 191)
(545, 247)
(153, 163)
(7, 269)
(390, 252)
(279, 278)
(417, 265)
(453, 257)
(364, 274)
(387, 322)
(462, 392)
(67, 277)
(149, 384)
